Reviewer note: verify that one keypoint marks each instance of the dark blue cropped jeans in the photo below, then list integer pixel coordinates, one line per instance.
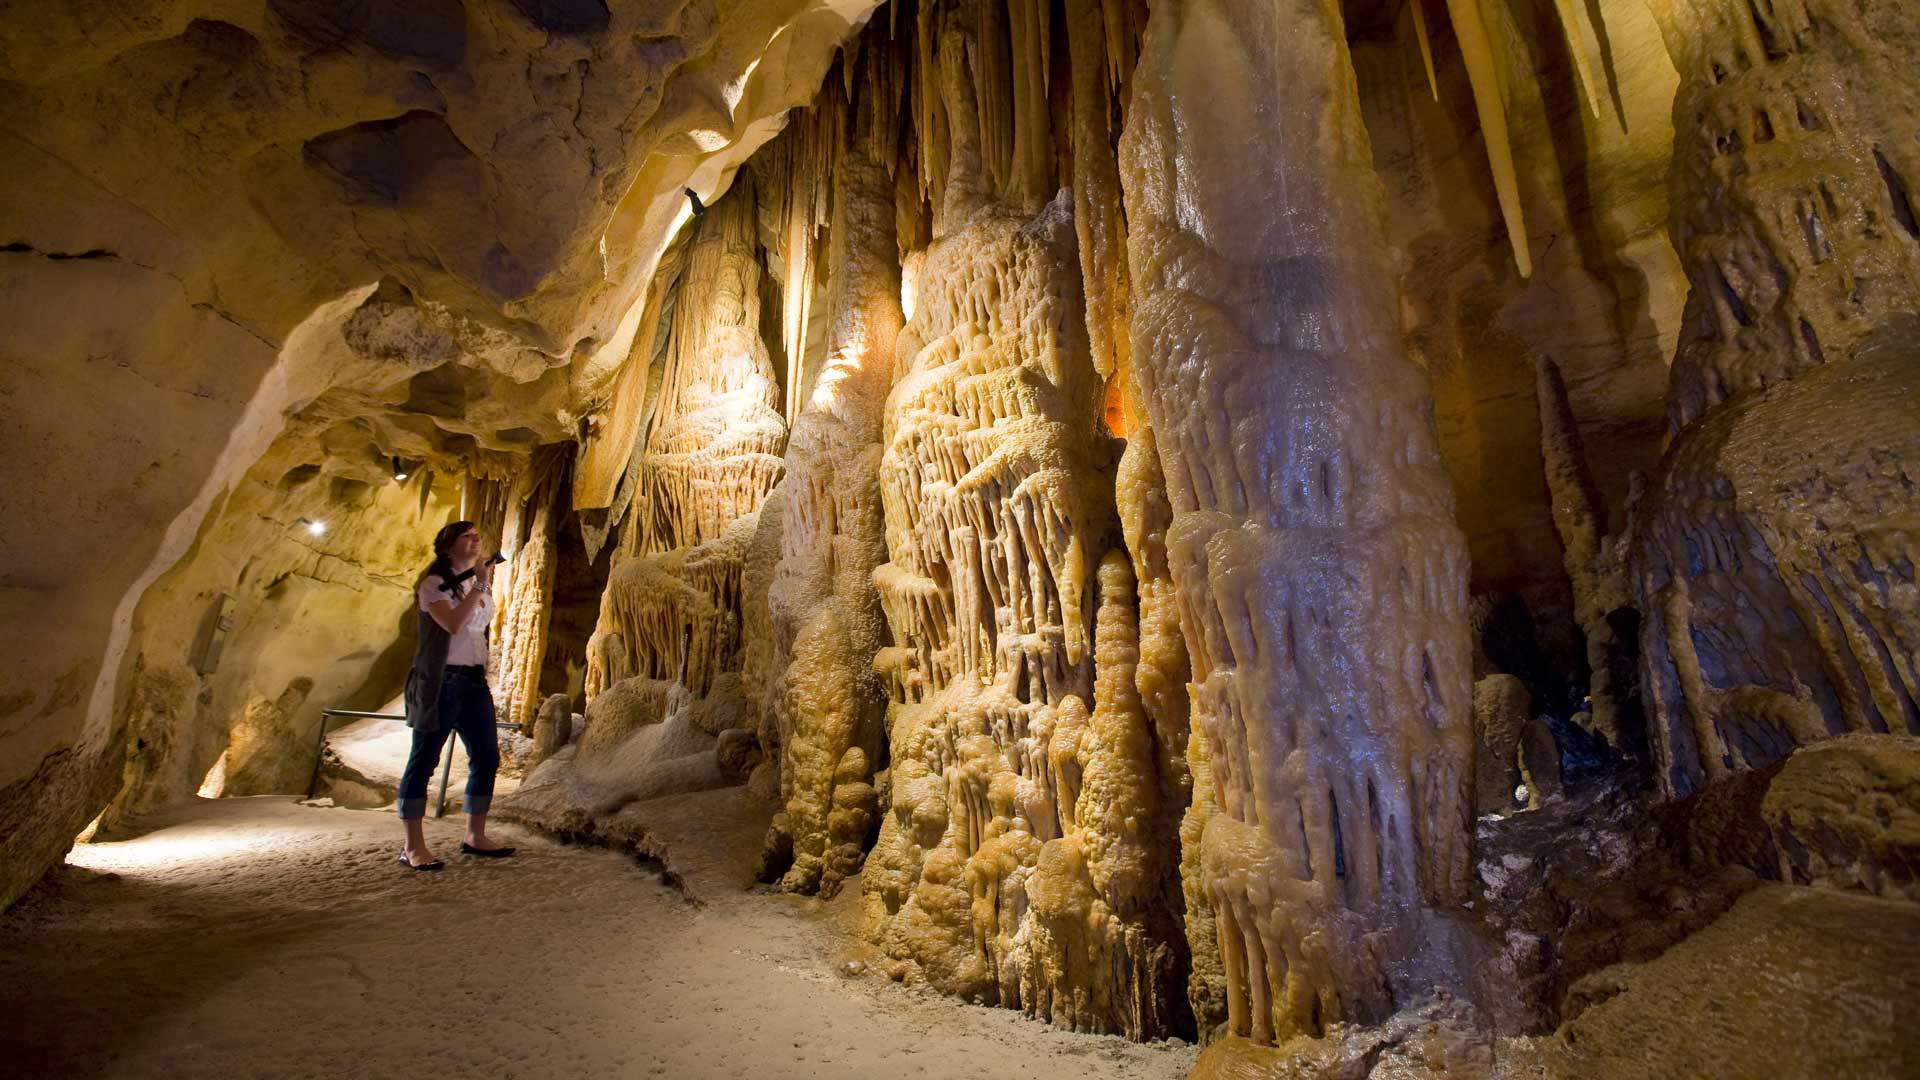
(466, 706)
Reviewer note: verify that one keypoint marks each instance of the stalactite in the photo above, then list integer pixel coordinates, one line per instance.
(1098, 215)
(1312, 542)
(1030, 180)
(1775, 584)
(1483, 74)
(671, 609)
(990, 63)
(1572, 26)
(647, 360)
(1426, 45)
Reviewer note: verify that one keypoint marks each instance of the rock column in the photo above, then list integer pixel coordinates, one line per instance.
(1321, 576)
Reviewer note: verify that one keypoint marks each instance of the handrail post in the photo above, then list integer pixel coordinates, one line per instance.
(446, 771)
(319, 749)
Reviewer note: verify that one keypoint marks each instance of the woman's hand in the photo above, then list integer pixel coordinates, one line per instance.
(483, 573)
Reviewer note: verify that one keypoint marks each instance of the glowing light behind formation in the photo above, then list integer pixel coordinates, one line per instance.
(849, 361)
(316, 528)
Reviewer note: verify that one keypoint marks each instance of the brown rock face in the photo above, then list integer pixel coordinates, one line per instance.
(1779, 608)
(1846, 814)
(1777, 586)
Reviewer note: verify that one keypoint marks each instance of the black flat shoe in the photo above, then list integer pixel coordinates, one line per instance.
(485, 853)
(434, 865)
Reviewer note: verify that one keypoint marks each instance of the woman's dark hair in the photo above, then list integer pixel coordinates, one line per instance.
(442, 564)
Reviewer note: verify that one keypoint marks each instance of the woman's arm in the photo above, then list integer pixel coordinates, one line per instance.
(452, 616)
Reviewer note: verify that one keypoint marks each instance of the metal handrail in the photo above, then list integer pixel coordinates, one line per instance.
(320, 749)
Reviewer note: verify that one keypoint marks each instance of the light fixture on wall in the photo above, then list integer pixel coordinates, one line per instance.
(399, 470)
(314, 527)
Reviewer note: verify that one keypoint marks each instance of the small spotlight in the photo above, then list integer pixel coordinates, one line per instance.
(314, 528)
(399, 470)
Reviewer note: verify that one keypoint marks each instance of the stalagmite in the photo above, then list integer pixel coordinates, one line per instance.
(1161, 676)
(552, 728)
(1596, 562)
(1502, 708)
(1321, 576)
(1776, 584)
(1483, 73)
(823, 611)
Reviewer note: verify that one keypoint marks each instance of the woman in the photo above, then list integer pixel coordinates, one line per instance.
(447, 691)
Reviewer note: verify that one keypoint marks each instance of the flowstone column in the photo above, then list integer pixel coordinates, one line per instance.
(1773, 560)
(1321, 577)
(824, 610)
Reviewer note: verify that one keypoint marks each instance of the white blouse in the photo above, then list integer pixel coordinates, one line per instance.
(469, 643)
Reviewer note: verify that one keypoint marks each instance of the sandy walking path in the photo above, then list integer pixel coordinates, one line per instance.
(262, 938)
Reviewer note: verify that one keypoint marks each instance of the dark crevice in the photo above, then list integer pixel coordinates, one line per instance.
(1306, 848)
(565, 16)
(1738, 309)
(19, 247)
(1898, 194)
(1813, 341)
(1339, 840)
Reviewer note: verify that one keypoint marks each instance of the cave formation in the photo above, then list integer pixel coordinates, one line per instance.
(1346, 532)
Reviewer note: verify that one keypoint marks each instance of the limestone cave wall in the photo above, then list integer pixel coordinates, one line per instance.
(197, 197)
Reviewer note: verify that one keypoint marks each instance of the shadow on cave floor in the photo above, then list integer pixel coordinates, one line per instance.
(262, 937)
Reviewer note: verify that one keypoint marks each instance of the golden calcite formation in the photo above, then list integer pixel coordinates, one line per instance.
(524, 588)
(1312, 543)
(672, 605)
(1776, 585)
(1026, 853)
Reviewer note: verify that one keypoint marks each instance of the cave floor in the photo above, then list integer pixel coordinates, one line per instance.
(260, 937)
